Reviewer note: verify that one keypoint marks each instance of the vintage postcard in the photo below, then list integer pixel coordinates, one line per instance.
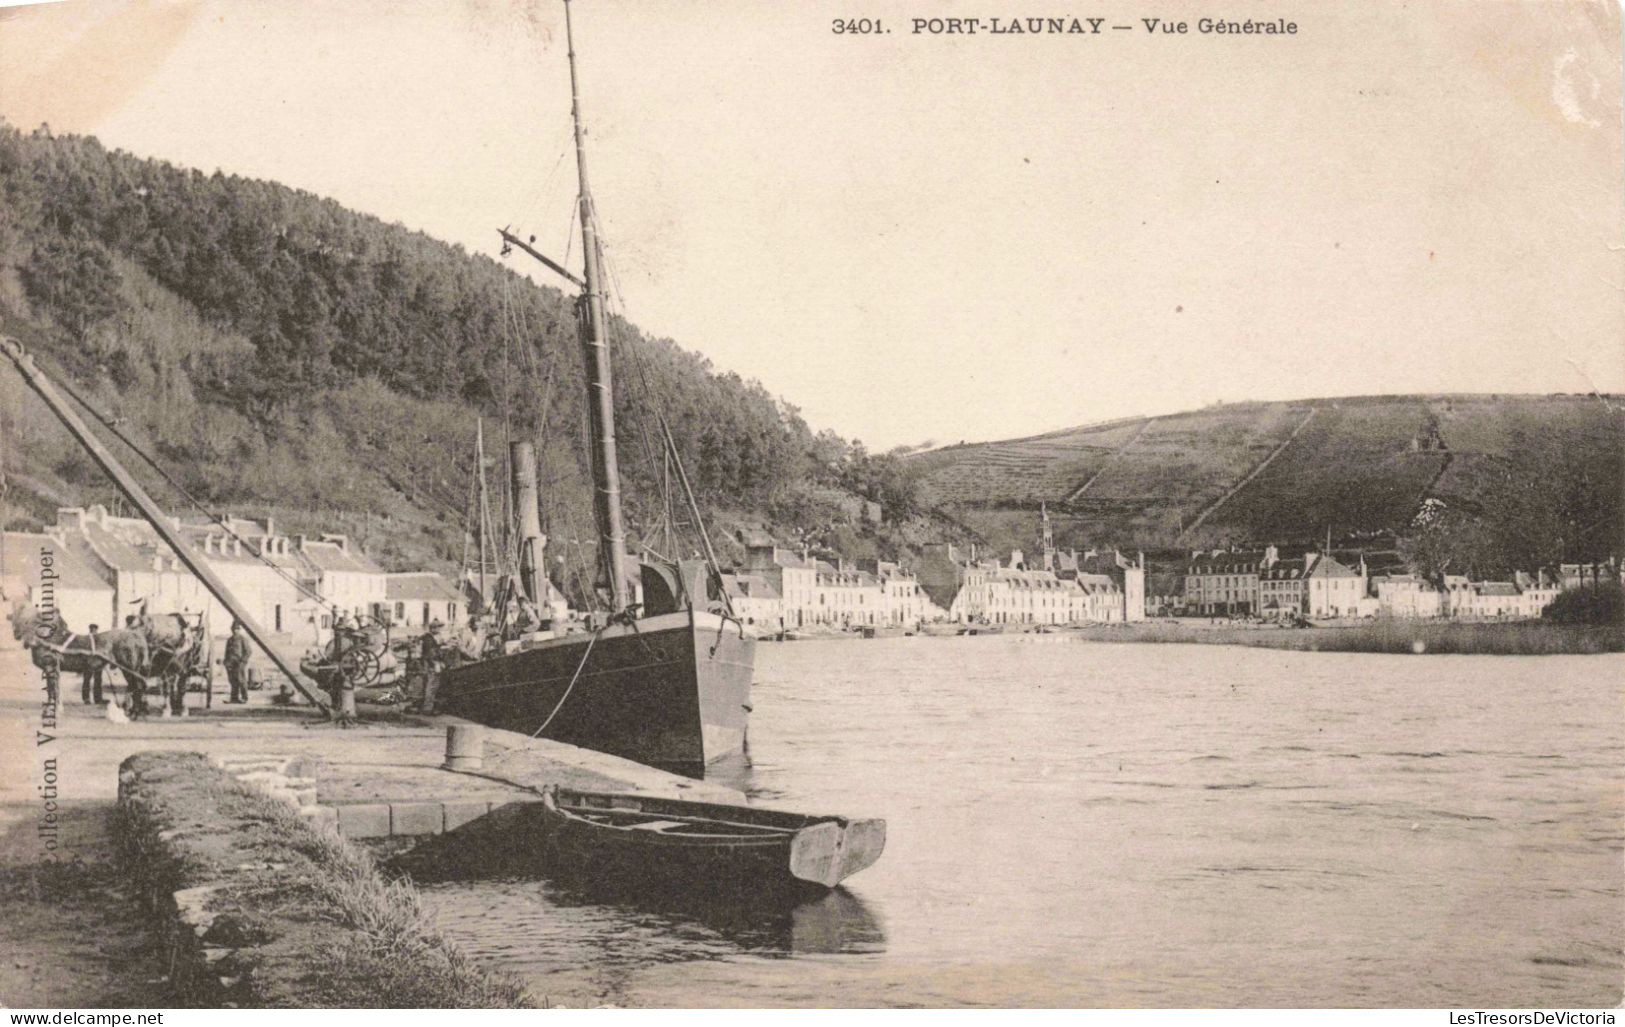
(889, 503)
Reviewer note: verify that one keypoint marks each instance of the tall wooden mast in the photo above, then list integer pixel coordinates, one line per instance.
(600, 378)
(482, 512)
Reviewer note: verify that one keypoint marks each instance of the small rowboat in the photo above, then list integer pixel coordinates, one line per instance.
(706, 844)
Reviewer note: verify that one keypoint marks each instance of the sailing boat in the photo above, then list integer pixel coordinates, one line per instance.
(665, 683)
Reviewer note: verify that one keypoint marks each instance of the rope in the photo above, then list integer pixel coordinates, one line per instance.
(573, 679)
(4, 484)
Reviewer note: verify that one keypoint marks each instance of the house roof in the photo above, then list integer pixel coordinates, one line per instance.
(1324, 566)
(792, 560)
(1495, 588)
(225, 548)
(124, 551)
(1227, 563)
(749, 586)
(330, 556)
(21, 560)
(420, 586)
(1284, 570)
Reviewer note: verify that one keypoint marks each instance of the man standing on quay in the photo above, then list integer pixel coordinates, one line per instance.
(237, 663)
(91, 680)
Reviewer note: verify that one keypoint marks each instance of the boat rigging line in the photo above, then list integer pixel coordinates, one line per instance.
(573, 679)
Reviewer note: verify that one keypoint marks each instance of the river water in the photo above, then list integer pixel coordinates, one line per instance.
(1075, 823)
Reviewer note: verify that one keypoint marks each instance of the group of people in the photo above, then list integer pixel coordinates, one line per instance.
(93, 678)
(438, 649)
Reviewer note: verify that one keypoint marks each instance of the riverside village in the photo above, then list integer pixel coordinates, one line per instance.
(100, 570)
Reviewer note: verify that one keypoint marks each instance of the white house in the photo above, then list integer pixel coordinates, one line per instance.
(1407, 596)
(754, 601)
(347, 579)
(416, 599)
(38, 571)
(1332, 589)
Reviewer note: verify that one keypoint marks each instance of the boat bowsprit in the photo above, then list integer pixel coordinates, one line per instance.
(707, 845)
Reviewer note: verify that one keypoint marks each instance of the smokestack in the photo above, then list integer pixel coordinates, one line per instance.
(526, 501)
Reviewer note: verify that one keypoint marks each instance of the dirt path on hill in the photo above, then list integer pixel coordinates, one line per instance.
(1263, 464)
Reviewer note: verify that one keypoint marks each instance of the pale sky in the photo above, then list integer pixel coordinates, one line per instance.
(919, 237)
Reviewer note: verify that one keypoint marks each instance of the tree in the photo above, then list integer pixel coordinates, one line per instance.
(73, 277)
(1448, 542)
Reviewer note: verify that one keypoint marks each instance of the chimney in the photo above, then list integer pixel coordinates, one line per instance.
(527, 500)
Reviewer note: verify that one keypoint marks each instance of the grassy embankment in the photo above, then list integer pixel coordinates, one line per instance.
(1514, 638)
(302, 918)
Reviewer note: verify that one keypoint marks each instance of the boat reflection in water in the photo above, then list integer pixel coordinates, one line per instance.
(504, 893)
(773, 923)
(591, 937)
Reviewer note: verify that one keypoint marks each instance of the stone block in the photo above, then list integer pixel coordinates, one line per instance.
(303, 766)
(248, 764)
(262, 778)
(366, 820)
(414, 818)
(320, 817)
(460, 813)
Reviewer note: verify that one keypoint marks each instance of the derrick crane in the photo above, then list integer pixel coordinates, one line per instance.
(41, 384)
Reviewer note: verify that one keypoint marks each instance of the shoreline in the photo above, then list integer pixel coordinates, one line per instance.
(1398, 637)
(1390, 636)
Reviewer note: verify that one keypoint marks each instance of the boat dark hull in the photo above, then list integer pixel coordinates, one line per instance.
(671, 691)
(715, 847)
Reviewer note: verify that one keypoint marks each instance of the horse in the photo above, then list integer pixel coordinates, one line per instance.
(53, 648)
(172, 647)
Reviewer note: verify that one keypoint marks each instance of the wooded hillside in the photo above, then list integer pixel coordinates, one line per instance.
(281, 354)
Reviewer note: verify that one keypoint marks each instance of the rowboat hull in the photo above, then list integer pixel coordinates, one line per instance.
(706, 845)
(671, 691)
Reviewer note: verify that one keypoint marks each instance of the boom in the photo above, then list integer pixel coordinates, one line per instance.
(36, 379)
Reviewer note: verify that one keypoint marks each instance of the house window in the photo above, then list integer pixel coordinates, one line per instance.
(425, 613)
(276, 612)
(400, 611)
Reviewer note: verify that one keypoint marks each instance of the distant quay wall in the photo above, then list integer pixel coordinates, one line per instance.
(1415, 637)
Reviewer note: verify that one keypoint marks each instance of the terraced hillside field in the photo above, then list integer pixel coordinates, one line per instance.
(1352, 469)
(1023, 471)
(1289, 471)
